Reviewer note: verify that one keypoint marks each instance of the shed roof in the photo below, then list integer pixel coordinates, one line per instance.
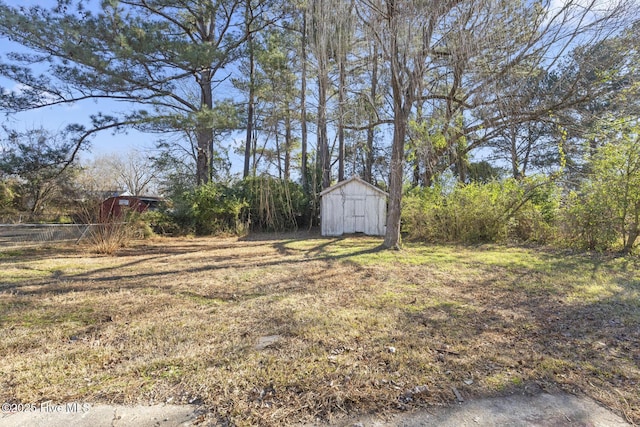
(140, 198)
(347, 181)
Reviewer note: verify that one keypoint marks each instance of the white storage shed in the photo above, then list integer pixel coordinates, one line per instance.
(353, 206)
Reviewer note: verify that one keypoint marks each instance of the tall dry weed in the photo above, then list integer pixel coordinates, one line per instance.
(106, 233)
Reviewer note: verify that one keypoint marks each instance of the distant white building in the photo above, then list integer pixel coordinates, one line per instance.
(353, 206)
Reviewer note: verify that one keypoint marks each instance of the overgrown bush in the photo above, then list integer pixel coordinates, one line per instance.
(162, 222)
(273, 204)
(211, 208)
(604, 212)
(215, 208)
(261, 203)
(466, 214)
(587, 220)
(7, 197)
(534, 210)
(474, 213)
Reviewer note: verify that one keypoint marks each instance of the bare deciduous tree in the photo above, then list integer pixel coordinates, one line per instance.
(132, 172)
(454, 54)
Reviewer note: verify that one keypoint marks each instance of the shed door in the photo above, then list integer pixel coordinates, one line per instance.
(354, 215)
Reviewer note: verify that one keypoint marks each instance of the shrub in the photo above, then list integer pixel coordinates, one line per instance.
(162, 222)
(533, 210)
(469, 214)
(215, 208)
(261, 203)
(604, 213)
(475, 213)
(422, 209)
(8, 196)
(587, 221)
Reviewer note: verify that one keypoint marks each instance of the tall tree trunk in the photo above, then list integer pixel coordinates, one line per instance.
(416, 172)
(427, 176)
(203, 162)
(303, 104)
(513, 148)
(461, 161)
(342, 82)
(254, 155)
(527, 154)
(417, 148)
(323, 143)
(251, 101)
(368, 164)
(278, 152)
(204, 133)
(634, 229)
(392, 236)
(321, 50)
(402, 101)
(288, 144)
(250, 108)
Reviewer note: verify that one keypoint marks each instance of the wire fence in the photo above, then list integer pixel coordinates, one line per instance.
(25, 234)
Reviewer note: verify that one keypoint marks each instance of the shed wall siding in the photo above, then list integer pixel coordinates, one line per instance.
(353, 208)
(332, 214)
(375, 215)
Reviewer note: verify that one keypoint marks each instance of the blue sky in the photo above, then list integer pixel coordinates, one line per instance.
(56, 118)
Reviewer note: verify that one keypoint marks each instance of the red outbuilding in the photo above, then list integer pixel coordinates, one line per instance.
(114, 207)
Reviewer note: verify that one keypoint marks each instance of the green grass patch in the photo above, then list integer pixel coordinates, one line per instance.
(11, 253)
(50, 316)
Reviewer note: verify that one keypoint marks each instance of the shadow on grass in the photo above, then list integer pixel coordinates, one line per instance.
(313, 233)
(508, 338)
(59, 283)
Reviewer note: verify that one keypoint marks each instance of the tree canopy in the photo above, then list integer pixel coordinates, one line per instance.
(383, 88)
(166, 58)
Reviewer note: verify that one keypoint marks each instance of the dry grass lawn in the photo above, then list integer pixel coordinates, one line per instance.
(359, 329)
